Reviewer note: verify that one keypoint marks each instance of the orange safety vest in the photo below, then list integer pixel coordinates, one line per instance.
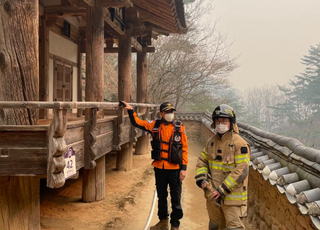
(165, 132)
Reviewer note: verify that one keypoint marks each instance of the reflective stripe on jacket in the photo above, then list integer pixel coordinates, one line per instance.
(166, 130)
(225, 161)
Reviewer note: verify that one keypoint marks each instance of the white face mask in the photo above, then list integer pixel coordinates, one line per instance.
(169, 117)
(222, 128)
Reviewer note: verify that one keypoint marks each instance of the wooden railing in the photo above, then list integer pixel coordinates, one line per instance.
(39, 149)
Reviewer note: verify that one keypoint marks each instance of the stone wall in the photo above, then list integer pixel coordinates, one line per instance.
(269, 209)
(193, 130)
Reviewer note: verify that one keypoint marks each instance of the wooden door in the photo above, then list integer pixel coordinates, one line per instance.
(62, 90)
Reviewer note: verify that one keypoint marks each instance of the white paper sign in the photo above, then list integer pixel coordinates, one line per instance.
(70, 159)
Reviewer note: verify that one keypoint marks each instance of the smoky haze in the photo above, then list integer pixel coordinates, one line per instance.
(270, 36)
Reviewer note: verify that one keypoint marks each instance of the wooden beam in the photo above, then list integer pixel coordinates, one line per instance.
(109, 42)
(114, 24)
(89, 2)
(139, 29)
(81, 3)
(132, 15)
(135, 44)
(133, 50)
(161, 30)
(64, 11)
(41, 10)
(104, 3)
(109, 31)
(116, 3)
(116, 50)
(148, 38)
(74, 31)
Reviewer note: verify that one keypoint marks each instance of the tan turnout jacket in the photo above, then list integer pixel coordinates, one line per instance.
(225, 161)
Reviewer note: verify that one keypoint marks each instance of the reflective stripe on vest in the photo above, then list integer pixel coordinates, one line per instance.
(237, 196)
(242, 158)
(218, 165)
(202, 170)
(230, 182)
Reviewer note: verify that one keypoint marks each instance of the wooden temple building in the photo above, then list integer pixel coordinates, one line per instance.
(42, 114)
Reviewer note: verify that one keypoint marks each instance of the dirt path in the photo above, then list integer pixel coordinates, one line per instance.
(128, 200)
(193, 202)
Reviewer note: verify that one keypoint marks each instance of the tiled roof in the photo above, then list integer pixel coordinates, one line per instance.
(289, 165)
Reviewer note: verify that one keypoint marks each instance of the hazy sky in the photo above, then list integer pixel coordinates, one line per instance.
(271, 36)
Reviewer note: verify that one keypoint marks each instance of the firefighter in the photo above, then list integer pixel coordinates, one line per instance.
(222, 172)
(170, 159)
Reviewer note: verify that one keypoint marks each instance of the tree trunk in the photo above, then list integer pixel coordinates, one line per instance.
(94, 179)
(19, 81)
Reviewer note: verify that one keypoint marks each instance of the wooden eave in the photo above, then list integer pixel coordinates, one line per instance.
(146, 19)
(167, 15)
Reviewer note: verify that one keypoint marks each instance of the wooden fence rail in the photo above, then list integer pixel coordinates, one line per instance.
(39, 149)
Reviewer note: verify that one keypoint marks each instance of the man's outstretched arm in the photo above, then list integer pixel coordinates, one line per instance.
(136, 121)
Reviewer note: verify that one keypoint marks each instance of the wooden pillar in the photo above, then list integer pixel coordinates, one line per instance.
(124, 162)
(142, 77)
(20, 203)
(19, 81)
(124, 157)
(43, 66)
(93, 188)
(142, 144)
(79, 65)
(124, 67)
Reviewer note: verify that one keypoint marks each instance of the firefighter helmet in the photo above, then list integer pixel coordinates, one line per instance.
(224, 110)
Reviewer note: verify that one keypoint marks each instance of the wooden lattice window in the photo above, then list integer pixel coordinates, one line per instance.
(62, 89)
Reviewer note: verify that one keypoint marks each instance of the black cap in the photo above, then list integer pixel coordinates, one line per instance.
(165, 106)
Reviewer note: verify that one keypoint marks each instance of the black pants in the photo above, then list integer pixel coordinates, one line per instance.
(163, 178)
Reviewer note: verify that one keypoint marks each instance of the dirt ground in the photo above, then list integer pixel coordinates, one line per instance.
(128, 201)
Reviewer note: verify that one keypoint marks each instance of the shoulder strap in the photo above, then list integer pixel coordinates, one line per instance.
(177, 125)
(156, 126)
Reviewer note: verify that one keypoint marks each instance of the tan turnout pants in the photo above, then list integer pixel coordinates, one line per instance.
(226, 216)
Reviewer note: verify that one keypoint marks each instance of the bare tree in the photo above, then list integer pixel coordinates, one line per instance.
(260, 104)
(186, 67)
